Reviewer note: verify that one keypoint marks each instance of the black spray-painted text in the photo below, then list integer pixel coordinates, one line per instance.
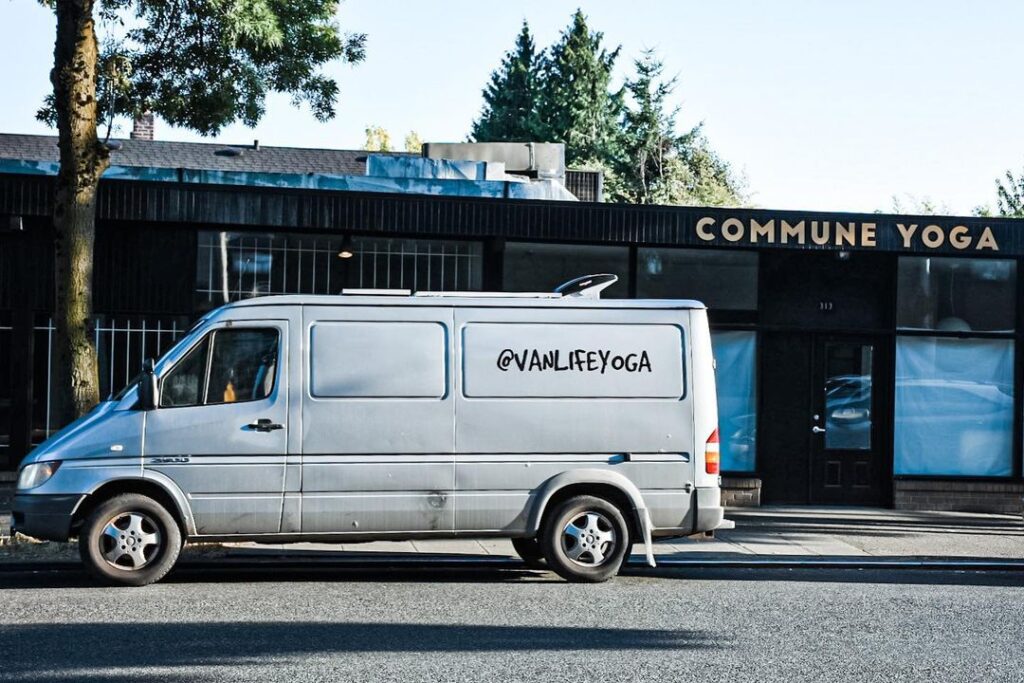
(578, 360)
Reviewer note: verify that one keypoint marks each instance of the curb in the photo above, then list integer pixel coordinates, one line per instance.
(409, 561)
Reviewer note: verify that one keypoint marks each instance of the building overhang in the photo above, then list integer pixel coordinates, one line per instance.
(337, 210)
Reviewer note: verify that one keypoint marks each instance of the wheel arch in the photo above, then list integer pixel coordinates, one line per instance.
(164, 492)
(609, 485)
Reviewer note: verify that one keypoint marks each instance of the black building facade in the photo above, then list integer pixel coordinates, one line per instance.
(865, 359)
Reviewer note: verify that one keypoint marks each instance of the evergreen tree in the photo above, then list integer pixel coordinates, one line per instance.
(510, 100)
(577, 106)
(661, 166)
(1010, 199)
(565, 95)
(651, 143)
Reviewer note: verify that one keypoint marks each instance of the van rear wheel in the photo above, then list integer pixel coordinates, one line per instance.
(130, 540)
(529, 550)
(585, 539)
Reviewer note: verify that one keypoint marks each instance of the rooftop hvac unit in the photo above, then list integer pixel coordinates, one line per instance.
(533, 159)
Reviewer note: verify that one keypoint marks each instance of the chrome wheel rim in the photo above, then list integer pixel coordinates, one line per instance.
(130, 541)
(589, 539)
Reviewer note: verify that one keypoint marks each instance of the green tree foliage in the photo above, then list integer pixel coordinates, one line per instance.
(920, 206)
(651, 159)
(576, 104)
(413, 142)
(566, 95)
(510, 110)
(660, 165)
(378, 139)
(1010, 195)
(200, 65)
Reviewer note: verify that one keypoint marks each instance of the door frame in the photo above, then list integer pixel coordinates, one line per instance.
(882, 394)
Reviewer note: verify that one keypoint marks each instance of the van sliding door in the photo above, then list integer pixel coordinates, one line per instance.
(378, 420)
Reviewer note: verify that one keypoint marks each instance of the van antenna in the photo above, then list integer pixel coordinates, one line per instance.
(587, 286)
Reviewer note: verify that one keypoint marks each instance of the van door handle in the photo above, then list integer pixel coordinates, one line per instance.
(264, 425)
(818, 430)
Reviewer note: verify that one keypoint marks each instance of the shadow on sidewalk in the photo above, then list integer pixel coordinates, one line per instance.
(866, 575)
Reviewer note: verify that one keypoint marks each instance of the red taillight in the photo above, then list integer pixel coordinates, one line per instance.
(711, 453)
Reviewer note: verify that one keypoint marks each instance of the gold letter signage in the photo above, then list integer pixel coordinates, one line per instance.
(844, 234)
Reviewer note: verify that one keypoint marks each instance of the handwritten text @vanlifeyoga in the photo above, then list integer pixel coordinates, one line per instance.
(842, 234)
(579, 360)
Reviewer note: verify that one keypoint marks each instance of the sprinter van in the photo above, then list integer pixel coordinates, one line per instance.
(574, 426)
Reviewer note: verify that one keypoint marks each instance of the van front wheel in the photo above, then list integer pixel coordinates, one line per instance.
(585, 539)
(130, 540)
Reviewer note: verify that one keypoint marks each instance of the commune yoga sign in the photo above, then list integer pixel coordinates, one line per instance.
(906, 235)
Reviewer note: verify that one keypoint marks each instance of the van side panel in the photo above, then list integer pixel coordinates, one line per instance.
(572, 405)
(548, 391)
(377, 420)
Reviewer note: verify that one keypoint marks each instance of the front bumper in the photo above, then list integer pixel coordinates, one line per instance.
(45, 516)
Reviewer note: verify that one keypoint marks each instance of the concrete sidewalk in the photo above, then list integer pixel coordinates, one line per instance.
(766, 532)
(789, 535)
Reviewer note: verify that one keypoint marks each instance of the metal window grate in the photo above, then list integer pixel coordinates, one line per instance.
(121, 346)
(232, 265)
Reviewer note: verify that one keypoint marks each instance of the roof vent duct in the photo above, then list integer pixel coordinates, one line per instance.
(587, 286)
(545, 160)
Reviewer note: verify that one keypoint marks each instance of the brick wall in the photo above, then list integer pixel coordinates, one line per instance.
(958, 495)
(143, 127)
(741, 492)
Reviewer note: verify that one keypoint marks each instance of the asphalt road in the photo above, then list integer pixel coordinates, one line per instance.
(509, 625)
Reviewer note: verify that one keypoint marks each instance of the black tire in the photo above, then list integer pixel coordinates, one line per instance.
(600, 542)
(529, 550)
(129, 540)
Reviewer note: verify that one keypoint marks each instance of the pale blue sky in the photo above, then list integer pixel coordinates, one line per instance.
(822, 105)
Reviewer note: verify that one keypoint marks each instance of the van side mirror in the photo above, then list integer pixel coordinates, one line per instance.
(149, 389)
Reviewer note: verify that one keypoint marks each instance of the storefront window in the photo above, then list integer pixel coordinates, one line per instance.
(238, 265)
(721, 279)
(542, 267)
(954, 407)
(735, 360)
(956, 294)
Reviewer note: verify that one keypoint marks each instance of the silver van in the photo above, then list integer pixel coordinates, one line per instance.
(573, 425)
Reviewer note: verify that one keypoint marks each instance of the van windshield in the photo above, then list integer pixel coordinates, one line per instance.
(134, 381)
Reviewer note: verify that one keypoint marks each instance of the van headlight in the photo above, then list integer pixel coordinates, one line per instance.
(36, 474)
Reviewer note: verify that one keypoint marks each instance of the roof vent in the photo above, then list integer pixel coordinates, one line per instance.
(587, 286)
(229, 152)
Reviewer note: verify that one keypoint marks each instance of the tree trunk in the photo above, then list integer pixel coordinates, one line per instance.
(82, 161)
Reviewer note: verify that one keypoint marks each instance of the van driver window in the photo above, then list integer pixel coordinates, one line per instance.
(243, 364)
(228, 366)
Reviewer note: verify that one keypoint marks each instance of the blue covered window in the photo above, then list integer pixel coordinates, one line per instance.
(735, 377)
(954, 407)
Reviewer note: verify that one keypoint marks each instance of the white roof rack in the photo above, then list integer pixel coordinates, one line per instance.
(493, 295)
(586, 286)
(377, 292)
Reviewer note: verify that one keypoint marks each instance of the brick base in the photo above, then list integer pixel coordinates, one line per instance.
(958, 495)
(741, 492)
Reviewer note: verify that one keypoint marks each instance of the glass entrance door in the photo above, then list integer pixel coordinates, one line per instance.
(846, 458)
